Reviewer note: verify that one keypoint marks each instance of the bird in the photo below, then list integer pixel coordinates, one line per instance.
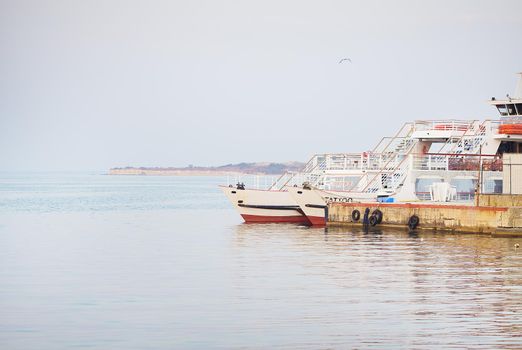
(345, 59)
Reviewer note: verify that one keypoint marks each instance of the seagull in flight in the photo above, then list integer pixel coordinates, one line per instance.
(345, 59)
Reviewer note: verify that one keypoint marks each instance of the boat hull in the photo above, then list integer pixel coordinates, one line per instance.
(314, 202)
(260, 206)
(311, 203)
(257, 219)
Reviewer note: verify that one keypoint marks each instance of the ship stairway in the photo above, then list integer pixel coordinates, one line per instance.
(391, 175)
(389, 179)
(396, 143)
(314, 165)
(469, 143)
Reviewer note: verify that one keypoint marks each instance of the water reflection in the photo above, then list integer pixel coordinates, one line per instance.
(125, 263)
(391, 287)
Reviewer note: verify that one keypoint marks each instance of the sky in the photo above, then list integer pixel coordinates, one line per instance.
(90, 85)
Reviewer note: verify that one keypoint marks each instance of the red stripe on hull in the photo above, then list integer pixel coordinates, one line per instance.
(317, 220)
(300, 219)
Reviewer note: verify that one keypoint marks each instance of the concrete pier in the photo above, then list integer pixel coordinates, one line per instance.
(490, 214)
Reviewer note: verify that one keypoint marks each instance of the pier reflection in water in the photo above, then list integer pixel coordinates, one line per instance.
(381, 287)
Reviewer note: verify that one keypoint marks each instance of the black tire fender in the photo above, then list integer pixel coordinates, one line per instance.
(356, 215)
(413, 222)
(373, 220)
(378, 215)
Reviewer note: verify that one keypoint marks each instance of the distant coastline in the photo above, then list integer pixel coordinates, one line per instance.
(239, 168)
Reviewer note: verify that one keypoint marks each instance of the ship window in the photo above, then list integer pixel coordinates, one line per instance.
(519, 108)
(502, 109)
(511, 109)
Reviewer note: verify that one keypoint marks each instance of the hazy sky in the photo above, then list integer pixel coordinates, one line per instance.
(88, 85)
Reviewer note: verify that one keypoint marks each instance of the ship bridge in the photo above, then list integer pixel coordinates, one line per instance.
(510, 128)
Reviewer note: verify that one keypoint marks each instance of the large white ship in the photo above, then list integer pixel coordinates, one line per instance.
(438, 160)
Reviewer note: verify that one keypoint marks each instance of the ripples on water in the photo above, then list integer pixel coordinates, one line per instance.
(132, 263)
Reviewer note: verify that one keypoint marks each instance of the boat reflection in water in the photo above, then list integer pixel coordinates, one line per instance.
(384, 288)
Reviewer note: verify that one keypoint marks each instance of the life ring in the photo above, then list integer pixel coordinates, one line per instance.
(413, 222)
(378, 214)
(356, 215)
(373, 220)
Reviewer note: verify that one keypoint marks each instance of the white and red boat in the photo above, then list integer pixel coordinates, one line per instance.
(426, 160)
(264, 206)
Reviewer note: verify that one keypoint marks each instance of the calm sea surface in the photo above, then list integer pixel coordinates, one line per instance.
(105, 262)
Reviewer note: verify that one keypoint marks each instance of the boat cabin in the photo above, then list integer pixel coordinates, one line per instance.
(510, 128)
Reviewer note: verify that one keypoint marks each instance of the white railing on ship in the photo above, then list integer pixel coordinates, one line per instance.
(430, 162)
(451, 144)
(393, 166)
(382, 154)
(288, 177)
(457, 162)
(450, 124)
(282, 180)
(347, 161)
(494, 124)
(472, 138)
(386, 143)
(388, 159)
(511, 120)
(260, 182)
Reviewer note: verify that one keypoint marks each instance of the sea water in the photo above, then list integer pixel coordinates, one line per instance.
(92, 261)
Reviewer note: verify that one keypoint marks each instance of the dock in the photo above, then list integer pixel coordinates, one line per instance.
(494, 214)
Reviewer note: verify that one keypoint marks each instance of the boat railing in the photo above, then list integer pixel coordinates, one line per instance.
(391, 161)
(392, 169)
(472, 139)
(393, 145)
(457, 162)
(494, 124)
(280, 182)
(342, 161)
(330, 162)
(511, 120)
(390, 144)
(338, 182)
(337, 164)
(252, 181)
(382, 144)
(443, 125)
(313, 163)
(489, 126)
(452, 143)
(286, 178)
(361, 161)
(387, 179)
(390, 177)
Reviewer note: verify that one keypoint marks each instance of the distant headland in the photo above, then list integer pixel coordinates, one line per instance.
(239, 168)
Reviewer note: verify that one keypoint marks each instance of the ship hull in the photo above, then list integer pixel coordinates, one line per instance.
(260, 206)
(311, 203)
(314, 202)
